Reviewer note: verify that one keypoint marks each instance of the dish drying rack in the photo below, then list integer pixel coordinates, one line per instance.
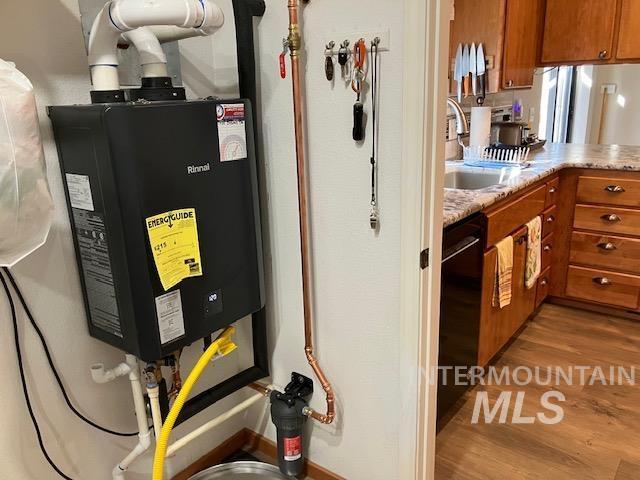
(496, 157)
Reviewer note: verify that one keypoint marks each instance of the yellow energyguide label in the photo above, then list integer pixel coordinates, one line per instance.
(174, 242)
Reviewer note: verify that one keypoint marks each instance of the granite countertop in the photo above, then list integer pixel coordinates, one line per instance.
(459, 204)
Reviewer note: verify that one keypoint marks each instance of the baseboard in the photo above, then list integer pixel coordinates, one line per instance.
(592, 307)
(251, 442)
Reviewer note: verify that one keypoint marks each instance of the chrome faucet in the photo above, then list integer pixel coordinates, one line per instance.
(462, 125)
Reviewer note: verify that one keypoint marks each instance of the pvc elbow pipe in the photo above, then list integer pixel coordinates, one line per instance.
(152, 57)
(120, 16)
(100, 375)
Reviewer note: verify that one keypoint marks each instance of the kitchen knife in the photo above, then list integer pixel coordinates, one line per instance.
(481, 67)
(457, 73)
(473, 56)
(466, 69)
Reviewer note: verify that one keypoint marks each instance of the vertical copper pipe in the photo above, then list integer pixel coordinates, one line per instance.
(295, 42)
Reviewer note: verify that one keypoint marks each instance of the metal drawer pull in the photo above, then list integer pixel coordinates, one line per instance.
(611, 217)
(553, 190)
(604, 281)
(615, 189)
(607, 246)
(544, 282)
(602, 54)
(548, 248)
(551, 219)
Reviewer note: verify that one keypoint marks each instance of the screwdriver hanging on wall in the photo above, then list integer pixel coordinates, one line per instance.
(359, 74)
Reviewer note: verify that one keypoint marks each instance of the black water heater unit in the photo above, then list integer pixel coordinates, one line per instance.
(163, 202)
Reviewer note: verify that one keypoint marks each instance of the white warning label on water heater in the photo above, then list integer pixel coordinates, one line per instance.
(79, 189)
(170, 317)
(232, 133)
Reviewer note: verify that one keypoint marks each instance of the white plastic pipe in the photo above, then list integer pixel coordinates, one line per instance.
(119, 16)
(156, 414)
(152, 58)
(100, 375)
(171, 33)
(188, 438)
(144, 435)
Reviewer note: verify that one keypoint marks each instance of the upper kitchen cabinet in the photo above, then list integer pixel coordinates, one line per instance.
(509, 31)
(480, 22)
(523, 26)
(590, 32)
(578, 31)
(628, 39)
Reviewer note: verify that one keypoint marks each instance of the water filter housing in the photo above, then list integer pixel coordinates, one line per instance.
(130, 167)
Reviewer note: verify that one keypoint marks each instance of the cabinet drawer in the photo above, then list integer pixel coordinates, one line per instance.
(504, 220)
(606, 251)
(547, 251)
(603, 286)
(553, 191)
(549, 221)
(611, 191)
(543, 287)
(607, 219)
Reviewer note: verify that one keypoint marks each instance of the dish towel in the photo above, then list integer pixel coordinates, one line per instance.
(504, 274)
(534, 252)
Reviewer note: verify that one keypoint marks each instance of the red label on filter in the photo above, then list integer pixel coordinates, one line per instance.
(292, 449)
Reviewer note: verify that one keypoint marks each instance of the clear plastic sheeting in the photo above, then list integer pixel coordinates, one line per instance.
(26, 207)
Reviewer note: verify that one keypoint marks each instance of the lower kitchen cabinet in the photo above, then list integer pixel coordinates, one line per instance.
(497, 325)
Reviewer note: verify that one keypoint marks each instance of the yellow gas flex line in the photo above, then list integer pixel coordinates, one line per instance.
(223, 345)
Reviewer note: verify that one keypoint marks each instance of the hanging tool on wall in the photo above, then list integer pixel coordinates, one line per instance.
(357, 79)
(343, 58)
(473, 69)
(329, 69)
(457, 75)
(481, 70)
(374, 220)
(466, 69)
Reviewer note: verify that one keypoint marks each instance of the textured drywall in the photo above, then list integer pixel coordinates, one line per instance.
(50, 51)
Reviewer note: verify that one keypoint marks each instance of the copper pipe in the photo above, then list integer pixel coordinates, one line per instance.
(258, 387)
(295, 43)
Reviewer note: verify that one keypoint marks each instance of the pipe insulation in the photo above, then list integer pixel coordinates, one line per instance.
(120, 16)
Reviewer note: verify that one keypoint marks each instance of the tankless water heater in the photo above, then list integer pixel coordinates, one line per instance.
(163, 202)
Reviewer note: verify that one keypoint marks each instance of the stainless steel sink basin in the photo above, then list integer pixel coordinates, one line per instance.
(466, 180)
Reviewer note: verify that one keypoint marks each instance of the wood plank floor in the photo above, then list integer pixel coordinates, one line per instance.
(599, 438)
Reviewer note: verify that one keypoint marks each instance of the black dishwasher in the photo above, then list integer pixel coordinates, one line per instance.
(462, 259)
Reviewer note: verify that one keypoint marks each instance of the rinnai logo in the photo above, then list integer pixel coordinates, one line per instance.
(191, 169)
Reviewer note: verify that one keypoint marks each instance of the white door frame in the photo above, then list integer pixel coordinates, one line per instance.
(426, 52)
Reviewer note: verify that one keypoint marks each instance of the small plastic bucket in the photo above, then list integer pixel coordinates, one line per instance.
(241, 471)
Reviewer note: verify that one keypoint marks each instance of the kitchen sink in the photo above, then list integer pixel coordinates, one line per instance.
(467, 180)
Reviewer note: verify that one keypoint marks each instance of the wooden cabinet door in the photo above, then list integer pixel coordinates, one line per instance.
(629, 40)
(497, 325)
(522, 34)
(578, 31)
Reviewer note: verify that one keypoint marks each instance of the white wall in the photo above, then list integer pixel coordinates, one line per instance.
(44, 39)
(357, 271)
(623, 111)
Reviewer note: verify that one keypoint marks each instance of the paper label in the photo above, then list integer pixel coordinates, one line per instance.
(80, 191)
(170, 317)
(292, 449)
(174, 242)
(232, 135)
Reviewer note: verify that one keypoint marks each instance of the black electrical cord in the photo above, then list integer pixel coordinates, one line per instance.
(50, 359)
(23, 379)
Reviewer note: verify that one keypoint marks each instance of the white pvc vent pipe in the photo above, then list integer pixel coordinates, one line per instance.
(120, 16)
(152, 58)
